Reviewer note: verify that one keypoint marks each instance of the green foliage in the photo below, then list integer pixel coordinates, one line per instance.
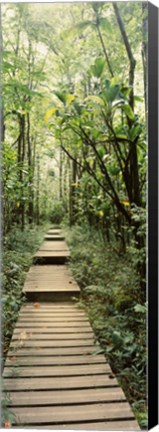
(7, 417)
(111, 296)
(18, 251)
(57, 213)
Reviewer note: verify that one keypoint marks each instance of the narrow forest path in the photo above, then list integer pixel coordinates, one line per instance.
(55, 378)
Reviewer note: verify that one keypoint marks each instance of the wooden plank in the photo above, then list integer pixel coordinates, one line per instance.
(43, 279)
(76, 413)
(52, 343)
(23, 335)
(57, 371)
(52, 330)
(54, 325)
(58, 253)
(45, 287)
(20, 384)
(64, 351)
(14, 361)
(50, 307)
(65, 397)
(55, 319)
(116, 425)
(54, 231)
(55, 246)
(51, 278)
(43, 314)
(49, 269)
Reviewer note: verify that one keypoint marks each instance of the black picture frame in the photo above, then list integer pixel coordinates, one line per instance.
(152, 275)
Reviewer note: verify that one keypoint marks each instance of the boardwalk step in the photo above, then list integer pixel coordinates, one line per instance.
(44, 257)
(53, 282)
(54, 246)
(74, 413)
(54, 237)
(54, 231)
(52, 252)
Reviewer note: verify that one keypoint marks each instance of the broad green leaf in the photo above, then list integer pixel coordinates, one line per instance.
(140, 308)
(101, 151)
(128, 111)
(105, 24)
(77, 107)
(111, 91)
(113, 169)
(7, 66)
(98, 68)
(61, 96)
(134, 132)
(121, 136)
(95, 99)
(138, 98)
(77, 29)
(116, 338)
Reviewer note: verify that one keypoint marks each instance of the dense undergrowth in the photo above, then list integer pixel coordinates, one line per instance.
(110, 294)
(18, 250)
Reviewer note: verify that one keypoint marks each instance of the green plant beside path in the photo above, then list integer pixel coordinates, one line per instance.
(111, 296)
(18, 250)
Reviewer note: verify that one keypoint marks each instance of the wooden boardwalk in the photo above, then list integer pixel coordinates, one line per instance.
(53, 372)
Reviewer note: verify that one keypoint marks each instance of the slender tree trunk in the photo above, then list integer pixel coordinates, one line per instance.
(61, 174)
(104, 48)
(30, 171)
(21, 171)
(38, 191)
(134, 172)
(73, 192)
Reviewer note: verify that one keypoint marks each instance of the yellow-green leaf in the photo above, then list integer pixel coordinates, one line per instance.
(50, 112)
(101, 213)
(70, 98)
(125, 202)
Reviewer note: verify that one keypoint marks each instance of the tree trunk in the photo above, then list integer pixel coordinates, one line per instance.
(133, 164)
(30, 171)
(73, 192)
(61, 174)
(38, 191)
